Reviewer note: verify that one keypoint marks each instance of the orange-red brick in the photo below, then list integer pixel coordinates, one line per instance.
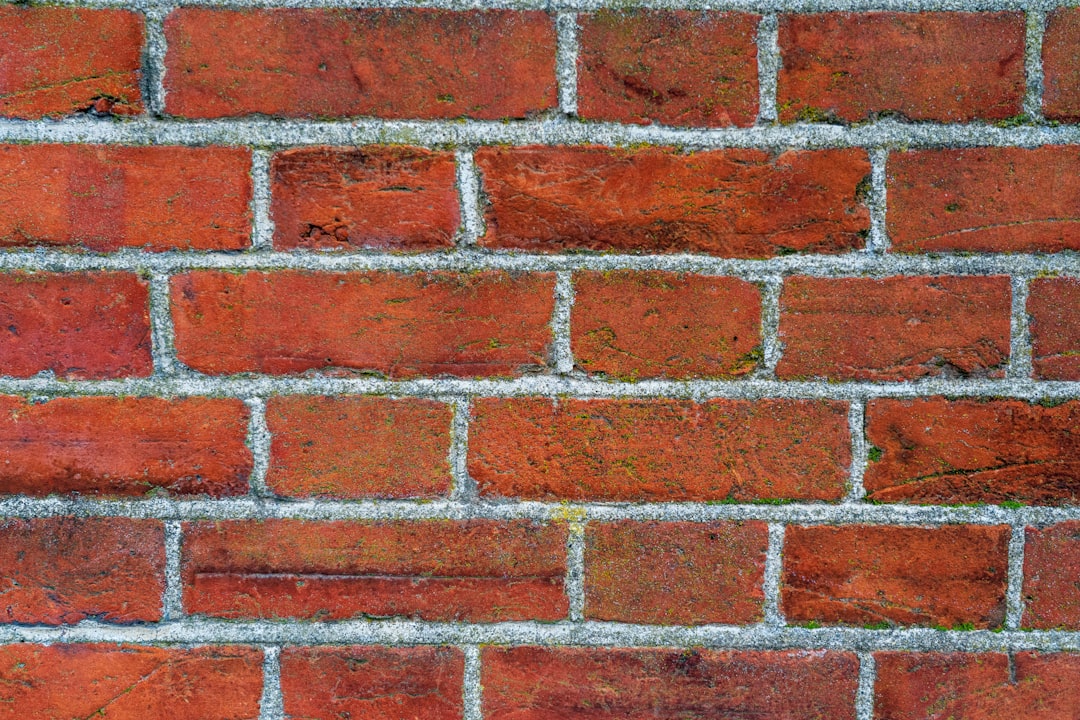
(897, 328)
(358, 447)
(1054, 311)
(486, 323)
(60, 61)
(735, 203)
(103, 198)
(108, 446)
(659, 450)
(62, 570)
(670, 67)
(675, 573)
(942, 66)
(391, 63)
(80, 326)
(473, 571)
(397, 198)
(865, 575)
(1061, 65)
(1051, 569)
(374, 683)
(658, 324)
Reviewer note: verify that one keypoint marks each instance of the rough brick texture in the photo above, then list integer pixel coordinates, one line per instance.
(1061, 65)
(948, 66)
(387, 63)
(61, 61)
(735, 203)
(669, 67)
(659, 450)
(1055, 328)
(866, 575)
(476, 571)
(1051, 569)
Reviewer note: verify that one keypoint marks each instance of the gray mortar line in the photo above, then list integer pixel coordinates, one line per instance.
(258, 441)
(562, 350)
(885, 133)
(1014, 593)
(1034, 27)
(471, 690)
(271, 704)
(864, 694)
(1020, 332)
(575, 569)
(769, 63)
(262, 231)
(771, 347)
(859, 451)
(469, 199)
(153, 81)
(774, 563)
(566, 25)
(878, 241)
(463, 488)
(162, 344)
(172, 606)
(584, 634)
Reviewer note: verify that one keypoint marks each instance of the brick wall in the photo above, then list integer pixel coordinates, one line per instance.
(540, 361)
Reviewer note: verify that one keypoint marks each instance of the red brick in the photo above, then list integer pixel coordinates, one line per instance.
(976, 686)
(659, 450)
(473, 571)
(129, 682)
(1061, 65)
(944, 66)
(1051, 569)
(675, 573)
(63, 570)
(944, 452)
(484, 323)
(1054, 310)
(533, 683)
(358, 447)
(735, 203)
(897, 328)
(374, 683)
(396, 197)
(124, 446)
(660, 324)
(59, 61)
(670, 67)
(390, 63)
(985, 200)
(103, 198)
(864, 574)
(80, 326)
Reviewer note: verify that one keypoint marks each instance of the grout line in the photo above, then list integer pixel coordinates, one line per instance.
(262, 231)
(172, 606)
(878, 241)
(469, 197)
(575, 570)
(258, 441)
(562, 348)
(774, 616)
(864, 695)
(1020, 332)
(1035, 27)
(769, 64)
(271, 704)
(154, 59)
(472, 690)
(162, 343)
(463, 488)
(1014, 593)
(771, 346)
(566, 24)
(859, 450)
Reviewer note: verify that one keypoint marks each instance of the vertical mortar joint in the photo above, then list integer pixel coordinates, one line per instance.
(1020, 331)
(864, 694)
(770, 327)
(878, 240)
(262, 230)
(859, 450)
(463, 487)
(172, 606)
(258, 441)
(566, 28)
(575, 570)
(773, 567)
(1034, 28)
(271, 705)
(468, 185)
(768, 58)
(562, 352)
(1014, 590)
(471, 688)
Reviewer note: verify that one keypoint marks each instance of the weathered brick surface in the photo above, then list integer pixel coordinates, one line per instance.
(104, 446)
(79, 326)
(391, 63)
(631, 325)
(675, 573)
(943, 66)
(669, 67)
(897, 328)
(1061, 65)
(488, 323)
(60, 61)
(1053, 306)
(129, 682)
(62, 570)
(532, 683)
(1051, 569)
(865, 575)
(985, 200)
(659, 450)
(945, 452)
(396, 198)
(735, 203)
(475, 571)
(374, 683)
(976, 686)
(358, 447)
